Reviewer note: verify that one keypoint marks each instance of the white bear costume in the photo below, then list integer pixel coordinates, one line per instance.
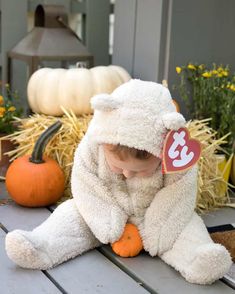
(137, 114)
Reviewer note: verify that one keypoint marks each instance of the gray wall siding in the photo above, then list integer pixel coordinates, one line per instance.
(202, 32)
(124, 34)
(13, 26)
(97, 30)
(170, 33)
(137, 34)
(147, 39)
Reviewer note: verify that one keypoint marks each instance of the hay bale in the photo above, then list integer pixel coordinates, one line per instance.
(64, 143)
(210, 180)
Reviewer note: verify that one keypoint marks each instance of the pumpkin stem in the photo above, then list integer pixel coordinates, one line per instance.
(42, 141)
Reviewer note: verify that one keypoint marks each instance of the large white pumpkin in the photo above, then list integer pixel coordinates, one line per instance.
(49, 89)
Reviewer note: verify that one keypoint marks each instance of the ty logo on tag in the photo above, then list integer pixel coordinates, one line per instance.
(180, 152)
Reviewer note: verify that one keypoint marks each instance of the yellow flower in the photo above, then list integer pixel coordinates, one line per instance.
(214, 72)
(232, 87)
(220, 69)
(1, 100)
(2, 111)
(206, 74)
(191, 66)
(12, 108)
(225, 73)
(201, 66)
(178, 69)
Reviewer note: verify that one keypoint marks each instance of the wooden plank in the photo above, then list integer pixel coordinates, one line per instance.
(92, 272)
(124, 34)
(155, 272)
(13, 28)
(161, 278)
(147, 46)
(142, 54)
(16, 280)
(32, 4)
(4, 198)
(13, 216)
(220, 217)
(97, 30)
(95, 273)
(78, 7)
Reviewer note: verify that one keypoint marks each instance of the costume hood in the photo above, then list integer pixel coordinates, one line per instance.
(136, 114)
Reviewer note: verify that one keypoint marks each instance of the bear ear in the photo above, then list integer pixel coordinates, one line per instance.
(173, 120)
(104, 102)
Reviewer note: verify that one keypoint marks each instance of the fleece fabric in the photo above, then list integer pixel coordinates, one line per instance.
(137, 114)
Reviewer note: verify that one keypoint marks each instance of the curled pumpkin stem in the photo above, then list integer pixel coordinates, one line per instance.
(40, 145)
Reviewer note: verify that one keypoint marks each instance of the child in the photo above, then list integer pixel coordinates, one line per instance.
(117, 178)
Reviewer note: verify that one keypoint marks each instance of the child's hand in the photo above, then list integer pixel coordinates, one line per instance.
(130, 243)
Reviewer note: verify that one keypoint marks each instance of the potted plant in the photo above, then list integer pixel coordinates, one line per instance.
(8, 111)
(209, 92)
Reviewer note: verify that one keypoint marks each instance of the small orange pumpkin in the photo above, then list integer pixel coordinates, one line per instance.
(36, 180)
(130, 243)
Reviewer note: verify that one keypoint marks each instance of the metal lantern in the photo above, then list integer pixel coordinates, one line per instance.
(51, 40)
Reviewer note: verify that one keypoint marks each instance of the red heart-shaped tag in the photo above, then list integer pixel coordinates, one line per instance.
(180, 152)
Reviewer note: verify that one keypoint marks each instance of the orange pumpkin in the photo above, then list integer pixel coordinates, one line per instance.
(36, 180)
(165, 84)
(130, 243)
(176, 105)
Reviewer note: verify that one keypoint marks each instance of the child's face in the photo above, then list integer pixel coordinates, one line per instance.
(131, 167)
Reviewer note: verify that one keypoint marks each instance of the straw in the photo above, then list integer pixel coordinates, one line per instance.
(64, 143)
(61, 147)
(212, 192)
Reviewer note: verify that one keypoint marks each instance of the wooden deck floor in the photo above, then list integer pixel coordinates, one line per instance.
(98, 271)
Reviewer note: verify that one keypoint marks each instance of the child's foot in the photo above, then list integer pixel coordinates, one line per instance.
(211, 262)
(21, 249)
